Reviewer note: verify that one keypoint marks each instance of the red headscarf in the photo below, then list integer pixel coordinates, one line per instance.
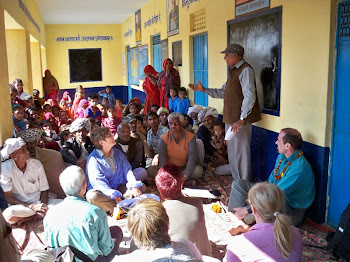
(151, 71)
(164, 63)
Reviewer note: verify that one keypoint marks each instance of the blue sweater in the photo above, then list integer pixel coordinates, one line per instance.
(101, 176)
(298, 182)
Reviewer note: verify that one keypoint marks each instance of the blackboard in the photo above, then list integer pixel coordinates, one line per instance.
(143, 60)
(165, 50)
(85, 65)
(260, 35)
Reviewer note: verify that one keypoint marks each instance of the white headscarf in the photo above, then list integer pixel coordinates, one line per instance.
(10, 146)
(194, 109)
(209, 111)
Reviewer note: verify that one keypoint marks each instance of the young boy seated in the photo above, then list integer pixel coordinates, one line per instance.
(47, 108)
(133, 109)
(173, 100)
(219, 143)
(18, 121)
(105, 102)
(111, 121)
(92, 111)
(186, 123)
(49, 133)
(154, 108)
(184, 102)
(107, 93)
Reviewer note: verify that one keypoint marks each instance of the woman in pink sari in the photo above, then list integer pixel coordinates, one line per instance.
(168, 78)
(150, 87)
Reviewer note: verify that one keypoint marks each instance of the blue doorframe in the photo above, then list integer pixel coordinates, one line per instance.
(128, 55)
(339, 180)
(200, 67)
(157, 53)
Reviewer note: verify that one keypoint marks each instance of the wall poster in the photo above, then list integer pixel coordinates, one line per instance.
(173, 17)
(134, 53)
(138, 27)
(143, 60)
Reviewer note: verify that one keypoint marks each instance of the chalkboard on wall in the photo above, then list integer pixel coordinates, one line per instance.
(260, 35)
(85, 65)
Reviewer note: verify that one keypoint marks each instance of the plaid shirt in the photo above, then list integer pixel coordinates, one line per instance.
(153, 139)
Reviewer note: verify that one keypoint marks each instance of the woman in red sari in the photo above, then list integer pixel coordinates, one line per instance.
(150, 87)
(168, 78)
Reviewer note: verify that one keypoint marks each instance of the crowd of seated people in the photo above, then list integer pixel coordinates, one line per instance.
(94, 152)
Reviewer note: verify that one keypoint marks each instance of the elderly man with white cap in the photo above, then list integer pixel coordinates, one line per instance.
(193, 114)
(241, 108)
(24, 183)
(76, 150)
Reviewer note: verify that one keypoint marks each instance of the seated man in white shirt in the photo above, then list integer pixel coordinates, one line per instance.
(24, 183)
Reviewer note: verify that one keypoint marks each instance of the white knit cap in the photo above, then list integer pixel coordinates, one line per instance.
(10, 146)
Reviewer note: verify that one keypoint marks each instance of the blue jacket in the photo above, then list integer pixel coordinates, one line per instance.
(298, 182)
(101, 177)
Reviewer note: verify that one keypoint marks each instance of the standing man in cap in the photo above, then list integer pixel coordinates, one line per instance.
(241, 108)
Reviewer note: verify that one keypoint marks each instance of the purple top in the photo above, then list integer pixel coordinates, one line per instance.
(258, 244)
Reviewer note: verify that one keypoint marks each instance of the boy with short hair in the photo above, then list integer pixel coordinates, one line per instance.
(154, 108)
(184, 102)
(18, 122)
(174, 99)
(107, 93)
(111, 121)
(92, 111)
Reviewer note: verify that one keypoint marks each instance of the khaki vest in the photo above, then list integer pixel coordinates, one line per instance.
(177, 153)
(233, 99)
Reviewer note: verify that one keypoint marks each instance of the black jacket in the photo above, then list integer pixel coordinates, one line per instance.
(73, 145)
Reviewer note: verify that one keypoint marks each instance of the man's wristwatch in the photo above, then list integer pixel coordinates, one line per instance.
(249, 210)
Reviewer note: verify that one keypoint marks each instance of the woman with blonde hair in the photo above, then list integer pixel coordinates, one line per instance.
(148, 224)
(273, 238)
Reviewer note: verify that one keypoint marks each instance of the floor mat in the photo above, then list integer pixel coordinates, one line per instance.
(30, 236)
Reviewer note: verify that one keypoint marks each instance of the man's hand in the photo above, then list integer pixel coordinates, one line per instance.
(241, 212)
(155, 160)
(237, 125)
(41, 209)
(197, 87)
(135, 192)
